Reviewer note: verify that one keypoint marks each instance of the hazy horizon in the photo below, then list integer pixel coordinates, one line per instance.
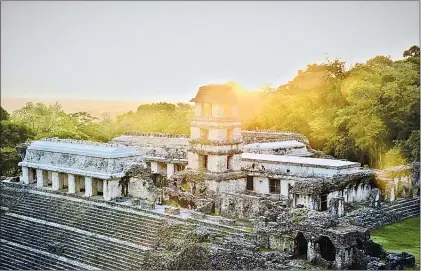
(163, 51)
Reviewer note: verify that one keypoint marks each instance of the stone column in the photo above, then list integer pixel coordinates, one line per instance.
(170, 170)
(105, 192)
(25, 175)
(42, 178)
(392, 193)
(154, 167)
(57, 181)
(73, 184)
(311, 251)
(88, 186)
(341, 207)
(113, 190)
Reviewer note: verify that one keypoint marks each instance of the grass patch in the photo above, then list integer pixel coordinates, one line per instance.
(399, 237)
(185, 186)
(264, 249)
(216, 213)
(248, 229)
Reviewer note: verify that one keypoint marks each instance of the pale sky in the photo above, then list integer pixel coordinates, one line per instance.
(166, 50)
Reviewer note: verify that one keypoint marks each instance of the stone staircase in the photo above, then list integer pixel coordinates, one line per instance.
(404, 208)
(93, 234)
(374, 218)
(89, 216)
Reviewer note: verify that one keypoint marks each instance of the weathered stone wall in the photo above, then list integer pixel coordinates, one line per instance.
(229, 186)
(142, 189)
(217, 163)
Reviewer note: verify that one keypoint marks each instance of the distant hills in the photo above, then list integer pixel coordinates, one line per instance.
(97, 108)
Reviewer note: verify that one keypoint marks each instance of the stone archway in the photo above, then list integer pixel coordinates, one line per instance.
(327, 249)
(300, 246)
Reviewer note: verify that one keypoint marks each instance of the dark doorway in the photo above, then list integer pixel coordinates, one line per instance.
(229, 160)
(323, 200)
(250, 185)
(203, 162)
(300, 246)
(359, 244)
(154, 177)
(327, 249)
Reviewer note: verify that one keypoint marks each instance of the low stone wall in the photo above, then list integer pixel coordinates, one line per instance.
(140, 133)
(271, 136)
(371, 218)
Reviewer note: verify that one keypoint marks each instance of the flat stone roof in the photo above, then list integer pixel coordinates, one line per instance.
(86, 149)
(299, 161)
(276, 145)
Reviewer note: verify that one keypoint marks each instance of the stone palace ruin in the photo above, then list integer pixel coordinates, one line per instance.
(222, 198)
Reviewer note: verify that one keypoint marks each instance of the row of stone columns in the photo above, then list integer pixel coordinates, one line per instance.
(73, 183)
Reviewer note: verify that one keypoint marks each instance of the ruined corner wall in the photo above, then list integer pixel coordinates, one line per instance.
(143, 189)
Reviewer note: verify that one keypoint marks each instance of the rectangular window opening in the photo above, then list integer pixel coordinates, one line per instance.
(229, 161)
(204, 134)
(250, 185)
(206, 109)
(274, 186)
(203, 162)
(323, 200)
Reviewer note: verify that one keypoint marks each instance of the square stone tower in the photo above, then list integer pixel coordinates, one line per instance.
(215, 141)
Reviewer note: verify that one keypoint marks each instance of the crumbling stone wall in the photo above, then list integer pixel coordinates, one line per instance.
(227, 186)
(245, 206)
(204, 249)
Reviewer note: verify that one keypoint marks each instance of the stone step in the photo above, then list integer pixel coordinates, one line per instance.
(18, 258)
(141, 230)
(86, 203)
(107, 252)
(18, 188)
(403, 202)
(18, 224)
(79, 254)
(85, 208)
(97, 227)
(113, 255)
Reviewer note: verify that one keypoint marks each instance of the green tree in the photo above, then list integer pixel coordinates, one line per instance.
(11, 136)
